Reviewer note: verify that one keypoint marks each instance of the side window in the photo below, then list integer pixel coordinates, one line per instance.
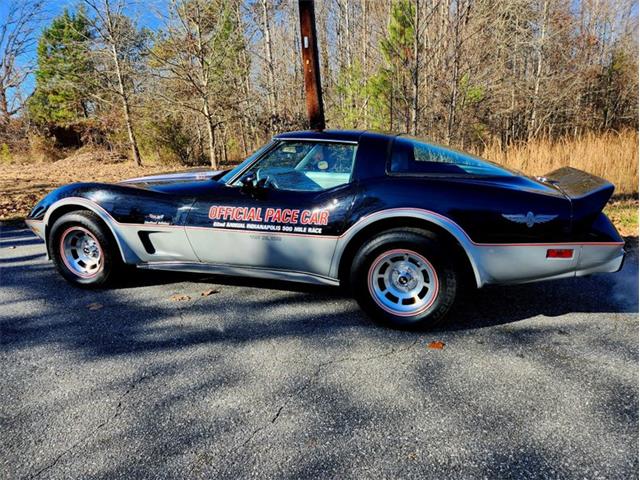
(284, 156)
(415, 157)
(306, 166)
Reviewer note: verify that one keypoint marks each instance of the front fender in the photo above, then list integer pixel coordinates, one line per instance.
(61, 206)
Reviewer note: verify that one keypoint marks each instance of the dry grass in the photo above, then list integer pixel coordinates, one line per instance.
(22, 185)
(613, 156)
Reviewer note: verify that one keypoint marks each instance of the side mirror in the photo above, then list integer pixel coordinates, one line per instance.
(248, 182)
(252, 186)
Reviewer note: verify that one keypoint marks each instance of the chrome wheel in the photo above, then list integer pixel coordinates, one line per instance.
(81, 252)
(403, 282)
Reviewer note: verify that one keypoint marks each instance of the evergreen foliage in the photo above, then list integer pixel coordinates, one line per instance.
(63, 78)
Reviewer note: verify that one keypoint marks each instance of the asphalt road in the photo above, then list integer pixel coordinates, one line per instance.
(259, 381)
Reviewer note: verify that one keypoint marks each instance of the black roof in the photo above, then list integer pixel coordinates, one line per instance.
(331, 135)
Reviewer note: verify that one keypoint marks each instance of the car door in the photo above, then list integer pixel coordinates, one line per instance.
(289, 218)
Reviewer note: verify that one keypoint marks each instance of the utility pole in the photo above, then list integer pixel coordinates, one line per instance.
(311, 65)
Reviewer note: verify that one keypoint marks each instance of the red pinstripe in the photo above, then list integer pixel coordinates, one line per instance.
(328, 237)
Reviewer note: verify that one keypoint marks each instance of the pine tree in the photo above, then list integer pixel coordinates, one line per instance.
(389, 87)
(62, 93)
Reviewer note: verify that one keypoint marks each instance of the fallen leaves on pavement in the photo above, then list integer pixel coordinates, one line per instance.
(436, 345)
(178, 297)
(95, 306)
(211, 291)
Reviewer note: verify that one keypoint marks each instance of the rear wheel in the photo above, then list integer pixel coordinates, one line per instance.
(82, 249)
(405, 278)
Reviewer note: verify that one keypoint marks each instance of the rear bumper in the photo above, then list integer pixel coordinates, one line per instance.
(600, 250)
(504, 264)
(600, 259)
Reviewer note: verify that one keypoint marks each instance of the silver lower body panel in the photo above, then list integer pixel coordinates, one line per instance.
(242, 271)
(498, 265)
(37, 227)
(506, 264)
(257, 249)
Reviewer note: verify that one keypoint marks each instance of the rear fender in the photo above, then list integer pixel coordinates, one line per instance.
(429, 218)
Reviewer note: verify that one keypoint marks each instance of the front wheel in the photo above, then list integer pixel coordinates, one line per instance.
(82, 249)
(405, 278)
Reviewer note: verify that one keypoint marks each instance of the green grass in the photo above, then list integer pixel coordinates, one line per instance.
(624, 215)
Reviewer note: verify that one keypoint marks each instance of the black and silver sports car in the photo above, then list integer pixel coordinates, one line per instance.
(399, 221)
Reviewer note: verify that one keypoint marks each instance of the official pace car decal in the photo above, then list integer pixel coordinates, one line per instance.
(269, 219)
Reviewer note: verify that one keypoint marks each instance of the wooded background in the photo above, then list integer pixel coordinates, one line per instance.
(208, 81)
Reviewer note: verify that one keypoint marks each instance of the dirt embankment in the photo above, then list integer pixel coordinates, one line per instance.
(23, 185)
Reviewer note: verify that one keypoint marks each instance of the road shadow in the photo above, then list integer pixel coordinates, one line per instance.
(12, 237)
(297, 380)
(475, 308)
(478, 308)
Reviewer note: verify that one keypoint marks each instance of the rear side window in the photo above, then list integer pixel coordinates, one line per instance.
(415, 157)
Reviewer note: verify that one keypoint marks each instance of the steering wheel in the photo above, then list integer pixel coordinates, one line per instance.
(266, 180)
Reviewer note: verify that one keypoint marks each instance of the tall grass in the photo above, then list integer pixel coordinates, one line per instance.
(613, 156)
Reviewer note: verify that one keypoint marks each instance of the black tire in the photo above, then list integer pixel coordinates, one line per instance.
(89, 224)
(415, 256)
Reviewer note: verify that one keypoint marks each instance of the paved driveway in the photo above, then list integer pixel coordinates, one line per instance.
(257, 380)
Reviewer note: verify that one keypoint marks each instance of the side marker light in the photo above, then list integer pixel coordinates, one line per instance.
(560, 253)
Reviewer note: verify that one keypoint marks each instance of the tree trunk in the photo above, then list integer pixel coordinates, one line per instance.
(266, 31)
(347, 35)
(200, 143)
(365, 53)
(211, 134)
(244, 87)
(225, 153)
(453, 105)
(415, 72)
(125, 107)
(539, 62)
(4, 109)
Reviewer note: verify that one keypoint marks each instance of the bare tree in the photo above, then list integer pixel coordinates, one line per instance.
(198, 57)
(223, 75)
(268, 54)
(539, 62)
(17, 38)
(115, 37)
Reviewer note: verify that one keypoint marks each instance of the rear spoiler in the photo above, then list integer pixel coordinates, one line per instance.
(588, 194)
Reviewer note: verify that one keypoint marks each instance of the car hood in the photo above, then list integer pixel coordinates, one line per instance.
(172, 178)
